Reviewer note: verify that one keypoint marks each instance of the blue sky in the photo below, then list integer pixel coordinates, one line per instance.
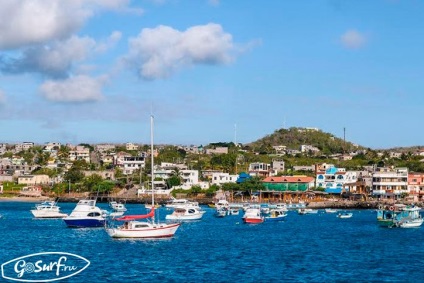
(93, 71)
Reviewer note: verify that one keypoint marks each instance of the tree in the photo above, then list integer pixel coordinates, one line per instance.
(74, 175)
(91, 182)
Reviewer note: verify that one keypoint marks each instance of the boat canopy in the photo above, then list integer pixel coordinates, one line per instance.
(135, 217)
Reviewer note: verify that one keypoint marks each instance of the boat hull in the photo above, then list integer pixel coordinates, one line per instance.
(184, 217)
(47, 214)
(84, 223)
(253, 220)
(152, 232)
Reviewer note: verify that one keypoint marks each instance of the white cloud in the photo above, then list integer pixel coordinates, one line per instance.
(26, 22)
(353, 39)
(159, 52)
(74, 89)
(53, 60)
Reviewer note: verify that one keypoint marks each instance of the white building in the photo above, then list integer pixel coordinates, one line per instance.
(80, 153)
(333, 179)
(131, 146)
(130, 164)
(389, 182)
(219, 178)
(34, 180)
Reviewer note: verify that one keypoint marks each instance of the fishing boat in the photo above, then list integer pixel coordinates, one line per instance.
(330, 210)
(48, 209)
(408, 217)
(86, 214)
(148, 229)
(185, 213)
(399, 215)
(345, 215)
(253, 216)
(276, 215)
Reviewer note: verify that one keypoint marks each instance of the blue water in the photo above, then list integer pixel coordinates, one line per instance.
(302, 248)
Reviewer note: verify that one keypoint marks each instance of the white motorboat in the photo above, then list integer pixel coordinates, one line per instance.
(86, 214)
(185, 213)
(276, 215)
(410, 223)
(345, 215)
(253, 216)
(222, 203)
(173, 203)
(132, 228)
(221, 212)
(117, 206)
(330, 210)
(303, 211)
(48, 209)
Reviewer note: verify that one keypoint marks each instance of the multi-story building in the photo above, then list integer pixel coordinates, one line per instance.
(333, 179)
(389, 182)
(416, 186)
(132, 163)
(23, 146)
(259, 169)
(80, 153)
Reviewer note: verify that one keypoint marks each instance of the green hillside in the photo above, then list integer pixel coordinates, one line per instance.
(293, 138)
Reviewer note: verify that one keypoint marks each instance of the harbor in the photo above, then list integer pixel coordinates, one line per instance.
(302, 248)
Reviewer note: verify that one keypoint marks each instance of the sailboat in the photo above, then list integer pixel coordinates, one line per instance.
(132, 228)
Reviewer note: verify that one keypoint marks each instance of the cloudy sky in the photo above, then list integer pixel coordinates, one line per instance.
(93, 71)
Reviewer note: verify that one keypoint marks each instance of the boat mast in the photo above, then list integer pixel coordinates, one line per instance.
(151, 159)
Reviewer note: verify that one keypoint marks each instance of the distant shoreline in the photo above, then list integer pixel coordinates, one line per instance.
(316, 205)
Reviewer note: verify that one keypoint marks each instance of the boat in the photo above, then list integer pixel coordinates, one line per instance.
(345, 215)
(253, 216)
(279, 206)
(185, 213)
(276, 215)
(86, 214)
(408, 217)
(399, 215)
(149, 229)
(173, 203)
(233, 211)
(303, 211)
(48, 209)
(220, 212)
(117, 206)
(222, 203)
(330, 210)
(410, 223)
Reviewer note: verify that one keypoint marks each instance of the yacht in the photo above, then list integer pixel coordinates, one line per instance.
(47, 209)
(86, 214)
(186, 213)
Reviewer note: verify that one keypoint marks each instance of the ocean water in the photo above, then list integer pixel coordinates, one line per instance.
(303, 248)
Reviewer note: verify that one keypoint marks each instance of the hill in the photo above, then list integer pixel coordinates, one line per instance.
(294, 137)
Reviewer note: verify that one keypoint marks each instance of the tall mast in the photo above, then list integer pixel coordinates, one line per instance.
(151, 156)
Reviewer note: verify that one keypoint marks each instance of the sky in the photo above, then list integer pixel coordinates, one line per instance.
(94, 71)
